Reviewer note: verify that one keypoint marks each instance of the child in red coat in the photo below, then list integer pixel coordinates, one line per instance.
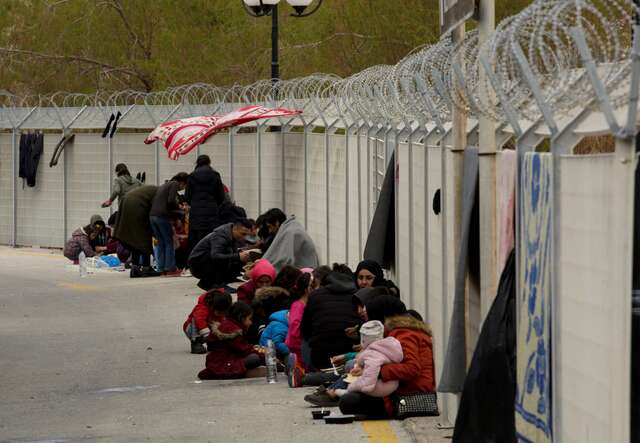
(230, 354)
(211, 308)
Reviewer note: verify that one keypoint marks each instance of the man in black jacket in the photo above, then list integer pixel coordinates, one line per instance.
(216, 260)
(205, 196)
(329, 311)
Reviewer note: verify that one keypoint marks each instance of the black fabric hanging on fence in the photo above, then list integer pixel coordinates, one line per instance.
(381, 242)
(455, 364)
(62, 144)
(31, 148)
(487, 411)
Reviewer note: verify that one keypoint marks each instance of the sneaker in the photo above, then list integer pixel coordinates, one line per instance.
(186, 273)
(135, 272)
(198, 348)
(148, 271)
(295, 377)
(322, 400)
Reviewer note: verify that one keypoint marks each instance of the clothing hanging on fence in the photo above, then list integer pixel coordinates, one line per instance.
(112, 125)
(486, 412)
(455, 363)
(506, 188)
(533, 391)
(381, 242)
(66, 138)
(31, 148)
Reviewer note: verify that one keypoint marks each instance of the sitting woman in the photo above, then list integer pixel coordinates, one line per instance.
(415, 373)
(230, 355)
(262, 275)
(81, 238)
(369, 274)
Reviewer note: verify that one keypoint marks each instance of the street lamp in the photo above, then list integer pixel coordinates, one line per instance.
(261, 8)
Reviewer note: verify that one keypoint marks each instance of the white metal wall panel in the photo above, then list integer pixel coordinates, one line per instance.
(337, 198)
(294, 175)
(271, 170)
(39, 209)
(246, 173)
(419, 296)
(86, 161)
(6, 200)
(168, 168)
(589, 299)
(404, 267)
(128, 148)
(357, 162)
(317, 225)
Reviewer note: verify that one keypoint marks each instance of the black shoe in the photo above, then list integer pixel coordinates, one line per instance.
(135, 272)
(198, 348)
(322, 400)
(148, 271)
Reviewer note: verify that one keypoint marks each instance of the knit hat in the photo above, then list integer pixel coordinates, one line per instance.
(365, 295)
(96, 219)
(379, 308)
(261, 268)
(373, 267)
(371, 331)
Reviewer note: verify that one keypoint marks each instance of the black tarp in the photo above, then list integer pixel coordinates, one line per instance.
(381, 242)
(487, 411)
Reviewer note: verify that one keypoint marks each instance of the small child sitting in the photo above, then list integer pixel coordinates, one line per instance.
(377, 351)
(230, 355)
(276, 331)
(212, 307)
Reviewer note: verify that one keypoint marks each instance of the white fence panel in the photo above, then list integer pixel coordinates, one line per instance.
(6, 196)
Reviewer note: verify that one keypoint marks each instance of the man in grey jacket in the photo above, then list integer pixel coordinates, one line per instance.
(216, 260)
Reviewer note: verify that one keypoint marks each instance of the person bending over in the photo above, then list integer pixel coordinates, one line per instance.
(216, 260)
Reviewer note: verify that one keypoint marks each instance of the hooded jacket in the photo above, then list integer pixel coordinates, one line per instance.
(205, 194)
(202, 316)
(416, 371)
(79, 242)
(329, 311)
(122, 185)
(276, 331)
(227, 350)
(292, 246)
(378, 353)
(247, 291)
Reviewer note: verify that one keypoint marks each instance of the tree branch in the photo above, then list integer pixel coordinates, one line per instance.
(105, 67)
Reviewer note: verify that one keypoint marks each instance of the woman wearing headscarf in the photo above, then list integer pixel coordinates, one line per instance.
(369, 274)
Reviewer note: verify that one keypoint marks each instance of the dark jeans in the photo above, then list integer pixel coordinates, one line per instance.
(357, 403)
(163, 232)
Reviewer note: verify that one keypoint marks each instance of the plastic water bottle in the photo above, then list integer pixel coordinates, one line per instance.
(82, 261)
(272, 364)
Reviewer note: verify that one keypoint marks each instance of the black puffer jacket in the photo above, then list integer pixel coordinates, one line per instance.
(329, 311)
(205, 194)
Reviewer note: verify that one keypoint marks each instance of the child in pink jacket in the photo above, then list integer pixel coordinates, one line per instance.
(377, 351)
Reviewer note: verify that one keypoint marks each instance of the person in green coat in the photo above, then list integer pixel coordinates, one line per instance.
(133, 229)
(122, 184)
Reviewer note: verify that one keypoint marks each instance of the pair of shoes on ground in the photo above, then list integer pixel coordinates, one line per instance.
(321, 398)
(294, 370)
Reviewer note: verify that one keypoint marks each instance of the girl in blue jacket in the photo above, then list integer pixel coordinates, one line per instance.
(276, 331)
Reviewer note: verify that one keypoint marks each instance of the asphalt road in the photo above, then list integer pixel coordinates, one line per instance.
(104, 358)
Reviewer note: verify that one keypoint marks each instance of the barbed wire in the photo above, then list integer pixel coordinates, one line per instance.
(533, 56)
